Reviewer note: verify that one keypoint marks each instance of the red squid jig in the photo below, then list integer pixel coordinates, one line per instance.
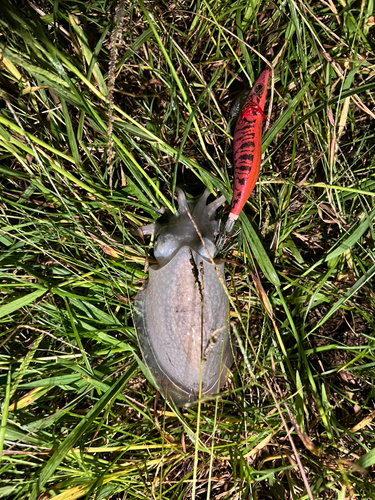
(247, 147)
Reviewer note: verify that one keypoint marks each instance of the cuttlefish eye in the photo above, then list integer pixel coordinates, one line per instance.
(210, 248)
(166, 244)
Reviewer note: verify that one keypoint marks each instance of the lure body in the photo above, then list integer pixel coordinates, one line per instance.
(247, 145)
(182, 314)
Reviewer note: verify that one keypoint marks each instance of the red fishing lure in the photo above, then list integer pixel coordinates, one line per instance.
(247, 146)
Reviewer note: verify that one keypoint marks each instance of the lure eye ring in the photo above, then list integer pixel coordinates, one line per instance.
(258, 90)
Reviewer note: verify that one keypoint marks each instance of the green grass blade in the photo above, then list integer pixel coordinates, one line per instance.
(4, 413)
(367, 276)
(74, 435)
(14, 305)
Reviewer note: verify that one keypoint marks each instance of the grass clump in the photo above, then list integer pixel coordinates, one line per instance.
(105, 109)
